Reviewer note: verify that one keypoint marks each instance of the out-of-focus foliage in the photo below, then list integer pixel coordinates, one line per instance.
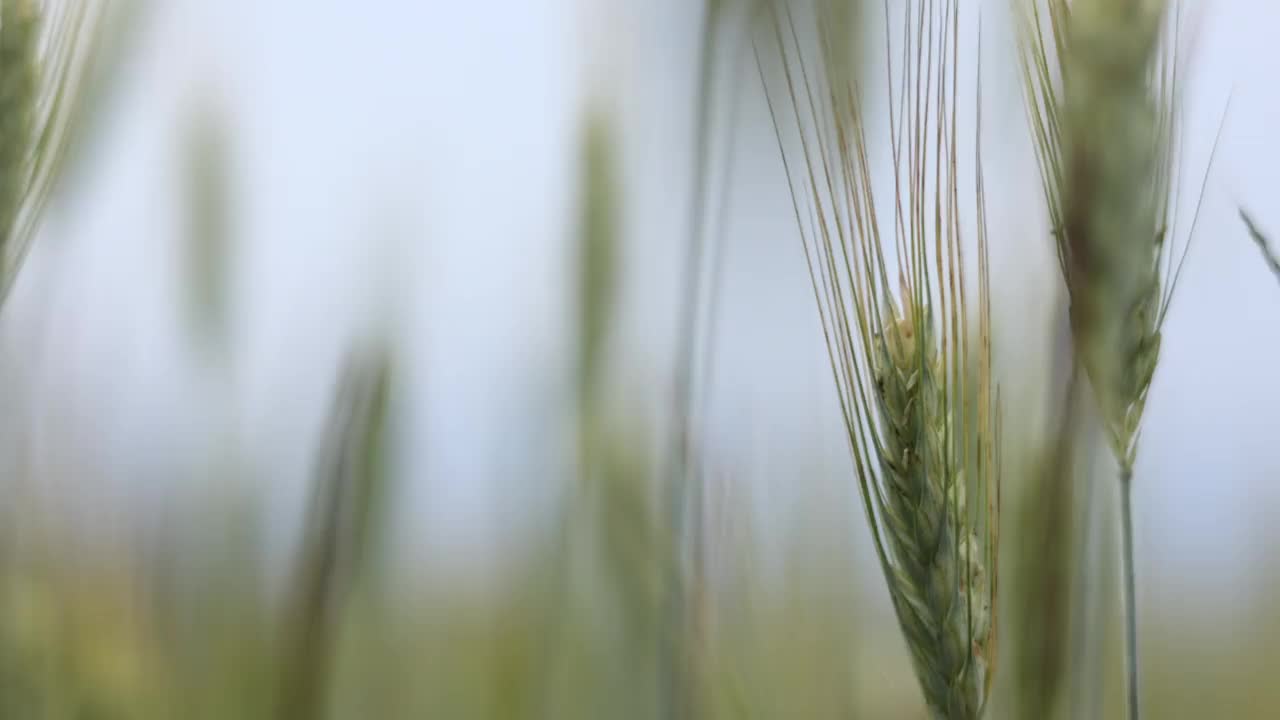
(191, 615)
(56, 56)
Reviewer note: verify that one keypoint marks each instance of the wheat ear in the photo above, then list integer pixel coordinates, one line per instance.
(917, 399)
(1101, 91)
(1101, 111)
(1101, 148)
(1101, 84)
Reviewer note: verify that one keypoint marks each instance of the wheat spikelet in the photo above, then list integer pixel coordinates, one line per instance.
(917, 399)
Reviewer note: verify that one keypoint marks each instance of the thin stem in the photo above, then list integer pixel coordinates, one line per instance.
(1130, 602)
(675, 693)
(716, 246)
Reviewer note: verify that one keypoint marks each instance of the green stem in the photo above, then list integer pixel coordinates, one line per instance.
(675, 693)
(1130, 602)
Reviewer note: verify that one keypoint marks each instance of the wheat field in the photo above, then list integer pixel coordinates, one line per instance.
(611, 359)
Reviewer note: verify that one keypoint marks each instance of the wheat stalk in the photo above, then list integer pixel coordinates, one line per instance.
(917, 400)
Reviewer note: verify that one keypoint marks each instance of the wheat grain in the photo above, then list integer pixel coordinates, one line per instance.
(917, 400)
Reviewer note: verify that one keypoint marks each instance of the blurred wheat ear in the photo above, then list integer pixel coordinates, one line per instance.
(45, 51)
(1102, 91)
(1038, 593)
(349, 483)
(208, 252)
(615, 560)
(913, 375)
(1264, 245)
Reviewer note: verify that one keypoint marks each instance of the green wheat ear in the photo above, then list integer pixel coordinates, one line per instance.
(44, 52)
(1101, 89)
(913, 375)
(209, 216)
(1101, 85)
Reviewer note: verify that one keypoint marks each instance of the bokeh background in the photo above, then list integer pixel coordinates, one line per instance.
(408, 176)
